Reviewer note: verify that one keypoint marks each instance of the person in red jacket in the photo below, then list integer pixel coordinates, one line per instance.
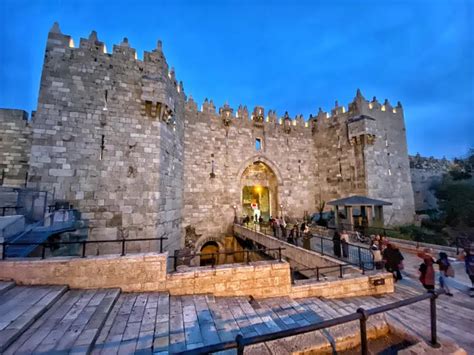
(427, 273)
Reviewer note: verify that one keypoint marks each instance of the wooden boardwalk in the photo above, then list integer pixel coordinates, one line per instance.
(21, 306)
(107, 322)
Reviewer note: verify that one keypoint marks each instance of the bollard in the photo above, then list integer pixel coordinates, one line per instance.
(434, 337)
(240, 345)
(363, 331)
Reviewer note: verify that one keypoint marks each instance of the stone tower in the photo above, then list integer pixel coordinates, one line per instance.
(108, 137)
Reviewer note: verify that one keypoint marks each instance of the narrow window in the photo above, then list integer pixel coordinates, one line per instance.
(258, 144)
(102, 146)
(148, 108)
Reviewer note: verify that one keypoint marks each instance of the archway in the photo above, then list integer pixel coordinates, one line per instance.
(259, 186)
(209, 254)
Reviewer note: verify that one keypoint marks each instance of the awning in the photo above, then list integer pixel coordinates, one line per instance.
(358, 201)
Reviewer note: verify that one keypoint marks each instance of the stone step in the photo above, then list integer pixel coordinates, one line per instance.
(138, 323)
(21, 306)
(72, 325)
(5, 286)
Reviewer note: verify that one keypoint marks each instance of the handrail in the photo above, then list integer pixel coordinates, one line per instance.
(361, 314)
(83, 243)
(319, 268)
(320, 250)
(245, 252)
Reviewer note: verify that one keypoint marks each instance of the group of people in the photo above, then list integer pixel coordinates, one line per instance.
(427, 270)
(291, 235)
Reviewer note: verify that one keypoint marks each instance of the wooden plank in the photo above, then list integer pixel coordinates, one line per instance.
(35, 334)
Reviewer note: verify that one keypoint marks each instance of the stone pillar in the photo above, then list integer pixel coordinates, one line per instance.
(350, 217)
(369, 215)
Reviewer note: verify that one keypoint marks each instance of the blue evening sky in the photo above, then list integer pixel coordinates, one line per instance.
(290, 56)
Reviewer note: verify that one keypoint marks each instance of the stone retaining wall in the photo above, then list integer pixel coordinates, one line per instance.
(347, 287)
(148, 272)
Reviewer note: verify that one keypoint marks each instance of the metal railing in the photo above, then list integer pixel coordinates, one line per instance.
(6, 208)
(82, 243)
(214, 257)
(354, 254)
(362, 315)
(338, 270)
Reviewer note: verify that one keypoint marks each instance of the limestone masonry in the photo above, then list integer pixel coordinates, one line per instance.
(118, 138)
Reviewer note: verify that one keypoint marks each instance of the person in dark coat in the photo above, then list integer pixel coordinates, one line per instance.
(293, 235)
(393, 260)
(336, 241)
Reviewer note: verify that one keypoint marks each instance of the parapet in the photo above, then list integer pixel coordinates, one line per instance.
(7, 114)
(154, 61)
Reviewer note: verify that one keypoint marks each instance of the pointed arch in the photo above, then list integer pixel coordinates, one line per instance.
(263, 159)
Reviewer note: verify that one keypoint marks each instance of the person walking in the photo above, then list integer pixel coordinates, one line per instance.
(377, 255)
(292, 236)
(283, 229)
(345, 244)
(393, 261)
(468, 257)
(427, 273)
(336, 242)
(445, 271)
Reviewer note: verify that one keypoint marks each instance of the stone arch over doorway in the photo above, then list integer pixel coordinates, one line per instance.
(259, 186)
(263, 159)
(202, 241)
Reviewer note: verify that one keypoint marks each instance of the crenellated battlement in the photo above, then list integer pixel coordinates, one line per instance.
(154, 61)
(322, 120)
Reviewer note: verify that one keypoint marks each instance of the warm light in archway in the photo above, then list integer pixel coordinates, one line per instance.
(258, 189)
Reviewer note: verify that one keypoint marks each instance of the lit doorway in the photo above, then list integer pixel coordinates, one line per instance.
(209, 254)
(259, 191)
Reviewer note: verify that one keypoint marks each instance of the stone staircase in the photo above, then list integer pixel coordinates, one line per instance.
(55, 319)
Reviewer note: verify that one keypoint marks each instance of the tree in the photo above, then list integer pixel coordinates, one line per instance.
(455, 193)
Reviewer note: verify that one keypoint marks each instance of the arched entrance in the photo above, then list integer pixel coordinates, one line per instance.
(259, 186)
(209, 254)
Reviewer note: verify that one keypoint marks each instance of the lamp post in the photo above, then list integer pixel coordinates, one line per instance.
(235, 214)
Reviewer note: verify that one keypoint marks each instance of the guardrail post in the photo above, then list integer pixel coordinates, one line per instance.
(123, 248)
(434, 337)
(43, 250)
(317, 273)
(363, 331)
(83, 249)
(360, 256)
(240, 346)
(340, 271)
(2, 247)
(279, 253)
(175, 262)
(161, 245)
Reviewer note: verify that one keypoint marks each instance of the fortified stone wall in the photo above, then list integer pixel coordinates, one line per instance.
(108, 137)
(117, 138)
(225, 145)
(426, 172)
(15, 144)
